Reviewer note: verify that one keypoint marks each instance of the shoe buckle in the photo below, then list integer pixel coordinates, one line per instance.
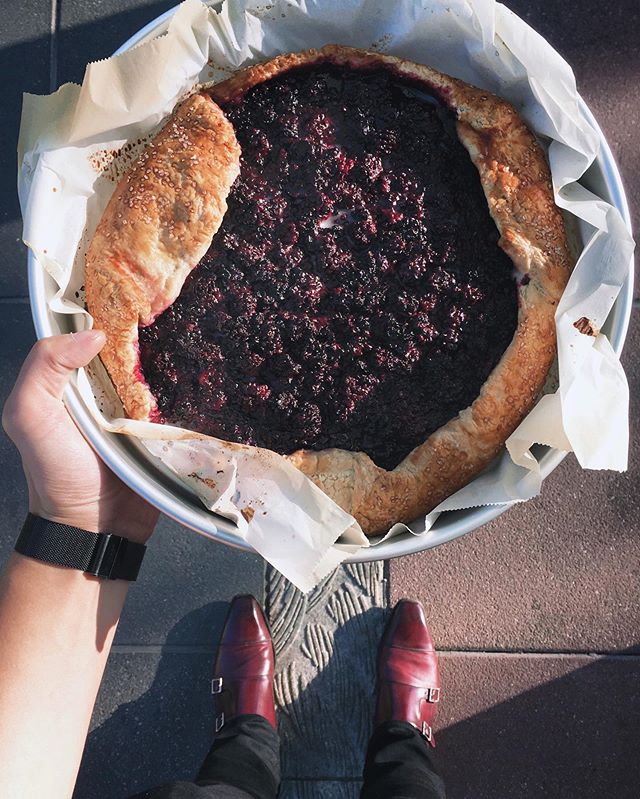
(433, 695)
(427, 731)
(216, 685)
(219, 722)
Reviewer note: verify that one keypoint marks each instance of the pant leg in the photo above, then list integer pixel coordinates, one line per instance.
(246, 755)
(243, 763)
(189, 790)
(400, 765)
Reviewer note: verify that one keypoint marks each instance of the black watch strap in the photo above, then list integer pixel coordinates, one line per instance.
(101, 554)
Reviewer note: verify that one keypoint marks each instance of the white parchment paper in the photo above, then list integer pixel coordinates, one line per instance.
(76, 143)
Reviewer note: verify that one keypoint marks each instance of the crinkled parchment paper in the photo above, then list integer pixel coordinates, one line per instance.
(75, 143)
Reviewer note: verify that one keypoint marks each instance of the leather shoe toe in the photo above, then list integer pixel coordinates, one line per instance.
(243, 681)
(408, 674)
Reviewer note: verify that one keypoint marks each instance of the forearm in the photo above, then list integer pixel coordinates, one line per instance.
(56, 630)
(57, 624)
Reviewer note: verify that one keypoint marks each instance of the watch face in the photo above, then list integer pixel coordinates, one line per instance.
(355, 295)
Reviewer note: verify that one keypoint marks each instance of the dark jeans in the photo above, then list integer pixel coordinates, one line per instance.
(244, 763)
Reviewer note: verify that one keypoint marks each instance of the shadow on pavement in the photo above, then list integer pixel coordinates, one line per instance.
(166, 732)
(327, 699)
(26, 67)
(572, 736)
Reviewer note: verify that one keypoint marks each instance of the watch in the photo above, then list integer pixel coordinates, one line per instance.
(101, 554)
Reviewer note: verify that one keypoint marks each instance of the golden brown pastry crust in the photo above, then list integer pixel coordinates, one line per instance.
(157, 226)
(517, 184)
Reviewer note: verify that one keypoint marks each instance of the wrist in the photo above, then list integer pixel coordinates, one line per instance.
(105, 555)
(136, 530)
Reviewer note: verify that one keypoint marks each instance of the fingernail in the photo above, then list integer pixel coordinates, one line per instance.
(94, 337)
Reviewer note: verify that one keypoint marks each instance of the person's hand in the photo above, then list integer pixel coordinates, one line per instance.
(68, 483)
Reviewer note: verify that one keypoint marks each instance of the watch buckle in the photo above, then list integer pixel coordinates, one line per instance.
(109, 550)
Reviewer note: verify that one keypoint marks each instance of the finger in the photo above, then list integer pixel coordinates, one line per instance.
(47, 370)
(52, 361)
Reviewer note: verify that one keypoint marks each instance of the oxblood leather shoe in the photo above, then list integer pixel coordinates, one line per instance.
(408, 675)
(244, 664)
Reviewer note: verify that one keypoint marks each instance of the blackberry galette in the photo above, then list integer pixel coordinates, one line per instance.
(379, 258)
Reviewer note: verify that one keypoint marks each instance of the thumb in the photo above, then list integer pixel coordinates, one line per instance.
(52, 361)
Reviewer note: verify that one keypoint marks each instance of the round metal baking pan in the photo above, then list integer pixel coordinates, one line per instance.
(158, 486)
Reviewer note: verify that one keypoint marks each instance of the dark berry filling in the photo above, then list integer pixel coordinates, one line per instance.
(355, 295)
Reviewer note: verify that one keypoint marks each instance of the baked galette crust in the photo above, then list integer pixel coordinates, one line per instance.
(157, 226)
(164, 214)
